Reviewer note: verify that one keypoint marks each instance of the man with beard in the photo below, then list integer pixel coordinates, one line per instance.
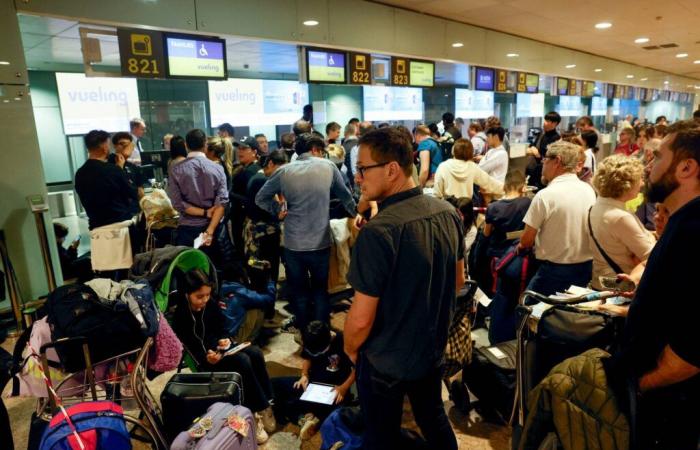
(660, 351)
(555, 223)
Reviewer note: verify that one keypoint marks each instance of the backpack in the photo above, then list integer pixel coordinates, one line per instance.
(76, 310)
(343, 425)
(99, 424)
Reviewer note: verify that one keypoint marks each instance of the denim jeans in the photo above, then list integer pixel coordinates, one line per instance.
(381, 399)
(552, 277)
(307, 276)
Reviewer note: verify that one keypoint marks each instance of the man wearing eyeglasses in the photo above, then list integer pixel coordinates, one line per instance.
(123, 149)
(304, 187)
(407, 264)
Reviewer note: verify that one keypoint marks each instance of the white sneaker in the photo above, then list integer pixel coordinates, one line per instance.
(309, 428)
(268, 419)
(260, 433)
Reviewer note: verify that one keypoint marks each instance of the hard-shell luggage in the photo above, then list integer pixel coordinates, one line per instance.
(99, 425)
(222, 427)
(188, 395)
(491, 377)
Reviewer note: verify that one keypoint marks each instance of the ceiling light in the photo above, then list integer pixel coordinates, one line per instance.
(512, 55)
(630, 76)
(697, 61)
(4, 63)
(682, 55)
(571, 66)
(6, 101)
(641, 40)
(644, 79)
(598, 70)
(697, 87)
(18, 98)
(603, 25)
(665, 82)
(311, 23)
(457, 45)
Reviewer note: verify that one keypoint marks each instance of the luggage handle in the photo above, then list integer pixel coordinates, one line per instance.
(86, 355)
(599, 295)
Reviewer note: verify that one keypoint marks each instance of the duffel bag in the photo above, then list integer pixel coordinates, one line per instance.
(98, 425)
(223, 427)
(491, 377)
(187, 396)
(75, 310)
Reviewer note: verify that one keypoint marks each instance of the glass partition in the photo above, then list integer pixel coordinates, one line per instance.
(176, 117)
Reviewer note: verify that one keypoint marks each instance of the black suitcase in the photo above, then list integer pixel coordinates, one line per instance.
(491, 377)
(188, 395)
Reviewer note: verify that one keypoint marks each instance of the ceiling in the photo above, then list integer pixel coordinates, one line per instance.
(571, 24)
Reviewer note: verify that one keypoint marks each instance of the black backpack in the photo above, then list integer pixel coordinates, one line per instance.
(75, 310)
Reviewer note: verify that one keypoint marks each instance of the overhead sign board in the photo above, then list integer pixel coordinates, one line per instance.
(501, 80)
(141, 53)
(360, 68)
(399, 71)
(191, 56)
(484, 79)
(323, 66)
(421, 73)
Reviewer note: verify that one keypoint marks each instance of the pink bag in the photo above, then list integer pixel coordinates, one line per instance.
(168, 348)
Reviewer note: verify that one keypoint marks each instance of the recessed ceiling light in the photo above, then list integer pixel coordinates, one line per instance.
(697, 87)
(597, 70)
(665, 82)
(4, 63)
(630, 76)
(697, 61)
(641, 40)
(571, 66)
(18, 98)
(644, 79)
(457, 45)
(512, 55)
(311, 23)
(6, 101)
(682, 55)
(603, 25)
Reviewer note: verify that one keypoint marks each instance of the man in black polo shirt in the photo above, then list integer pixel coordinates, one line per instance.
(124, 146)
(406, 266)
(661, 344)
(103, 188)
(535, 153)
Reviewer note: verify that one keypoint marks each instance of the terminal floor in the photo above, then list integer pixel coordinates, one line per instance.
(282, 356)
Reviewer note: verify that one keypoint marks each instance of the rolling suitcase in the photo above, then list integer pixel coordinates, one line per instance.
(188, 395)
(222, 427)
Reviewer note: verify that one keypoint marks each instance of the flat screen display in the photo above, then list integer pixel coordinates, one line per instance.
(96, 103)
(197, 57)
(532, 83)
(249, 102)
(381, 69)
(325, 67)
(599, 106)
(421, 73)
(392, 103)
(562, 86)
(529, 105)
(484, 79)
(471, 104)
(616, 107)
(569, 105)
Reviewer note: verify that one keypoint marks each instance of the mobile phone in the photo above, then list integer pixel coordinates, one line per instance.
(616, 284)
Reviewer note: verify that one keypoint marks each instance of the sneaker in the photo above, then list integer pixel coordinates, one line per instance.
(268, 419)
(288, 325)
(260, 433)
(309, 428)
(337, 445)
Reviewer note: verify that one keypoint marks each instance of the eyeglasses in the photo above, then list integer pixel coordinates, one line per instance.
(361, 170)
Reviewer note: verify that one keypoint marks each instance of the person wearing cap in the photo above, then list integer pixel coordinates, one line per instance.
(306, 186)
(248, 149)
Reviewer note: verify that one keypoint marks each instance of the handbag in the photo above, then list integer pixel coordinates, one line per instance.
(607, 258)
(168, 348)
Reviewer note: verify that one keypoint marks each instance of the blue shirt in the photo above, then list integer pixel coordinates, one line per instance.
(197, 182)
(306, 185)
(435, 153)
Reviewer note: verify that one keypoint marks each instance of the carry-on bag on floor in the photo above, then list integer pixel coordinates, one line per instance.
(188, 395)
(96, 425)
(223, 427)
(491, 377)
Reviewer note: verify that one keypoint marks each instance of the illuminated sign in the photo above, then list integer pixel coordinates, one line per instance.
(360, 68)
(189, 56)
(141, 53)
(484, 79)
(421, 73)
(325, 67)
(532, 83)
(399, 71)
(501, 80)
(562, 86)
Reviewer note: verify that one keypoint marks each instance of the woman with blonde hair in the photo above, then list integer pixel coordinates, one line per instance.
(619, 241)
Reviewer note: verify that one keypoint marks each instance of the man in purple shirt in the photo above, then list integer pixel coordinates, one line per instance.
(197, 189)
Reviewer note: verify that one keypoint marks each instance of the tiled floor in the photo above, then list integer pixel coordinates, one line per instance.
(282, 356)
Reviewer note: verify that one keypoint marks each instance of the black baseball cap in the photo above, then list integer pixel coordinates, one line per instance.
(248, 141)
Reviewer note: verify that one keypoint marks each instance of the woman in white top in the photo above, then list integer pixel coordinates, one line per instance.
(590, 139)
(619, 233)
(457, 176)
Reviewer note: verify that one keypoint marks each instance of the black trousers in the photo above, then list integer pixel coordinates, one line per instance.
(381, 398)
(250, 364)
(288, 405)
